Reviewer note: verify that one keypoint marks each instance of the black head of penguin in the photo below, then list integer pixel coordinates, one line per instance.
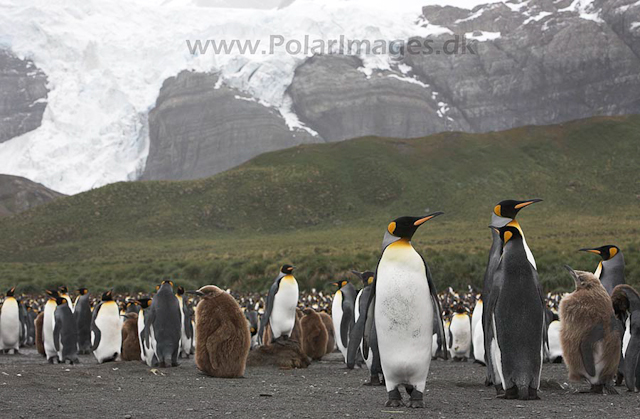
(606, 252)
(11, 291)
(63, 290)
(82, 291)
(509, 232)
(53, 294)
(405, 227)
(366, 277)
(510, 208)
(180, 290)
(287, 269)
(107, 296)
(339, 284)
(144, 302)
(60, 300)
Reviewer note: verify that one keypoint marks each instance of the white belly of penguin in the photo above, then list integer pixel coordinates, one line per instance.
(336, 318)
(47, 329)
(477, 332)
(627, 336)
(283, 314)
(404, 317)
(461, 332)
(10, 324)
(110, 325)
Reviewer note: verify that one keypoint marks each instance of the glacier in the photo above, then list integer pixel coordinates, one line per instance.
(106, 61)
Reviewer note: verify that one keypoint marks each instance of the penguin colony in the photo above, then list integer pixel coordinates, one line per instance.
(395, 324)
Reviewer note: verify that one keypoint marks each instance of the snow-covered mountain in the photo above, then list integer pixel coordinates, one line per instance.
(110, 64)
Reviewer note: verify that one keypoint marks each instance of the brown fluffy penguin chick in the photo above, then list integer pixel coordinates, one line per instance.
(328, 324)
(130, 339)
(223, 336)
(39, 340)
(314, 335)
(589, 335)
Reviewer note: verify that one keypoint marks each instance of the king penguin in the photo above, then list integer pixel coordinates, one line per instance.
(342, 314)
(106, 329)
(515, 299)
(10, 325)
(147, 352)
(503, 213)
(64, 293)
(460, 335)
(280, 312)
(626, 303)
(610, 270)
(82, 314)
(65, 332)
(186, 334)
(368, 345)
(47, 327)
(403, 302)
(163, 325)
(477, 333)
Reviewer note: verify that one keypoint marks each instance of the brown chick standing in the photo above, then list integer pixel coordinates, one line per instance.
(589, 336)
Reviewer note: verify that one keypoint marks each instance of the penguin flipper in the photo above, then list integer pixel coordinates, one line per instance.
(148, 322)
(267, 310)
(586, 348)
(56, 336)
(437, 312)
(359, 331)
(345, 322)
(187, 321)
(94, 328)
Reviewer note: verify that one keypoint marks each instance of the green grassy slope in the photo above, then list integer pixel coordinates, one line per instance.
(324, 208)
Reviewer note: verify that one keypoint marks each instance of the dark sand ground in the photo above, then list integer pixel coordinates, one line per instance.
(31, 388)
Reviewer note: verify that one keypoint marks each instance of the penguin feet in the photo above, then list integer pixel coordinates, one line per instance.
(499, 391)
(374, 381)
(417, 399)
(509, 394)
(609, 389)
(619, 378)
(395, 400)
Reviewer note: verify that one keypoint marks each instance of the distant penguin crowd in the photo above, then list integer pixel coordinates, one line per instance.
(391, 320)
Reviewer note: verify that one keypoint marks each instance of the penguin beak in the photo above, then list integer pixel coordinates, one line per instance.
(591, 250)
(527, 203)
(427, 218)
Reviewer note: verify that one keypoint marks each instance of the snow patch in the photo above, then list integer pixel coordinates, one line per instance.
(483, 36)
(585, 9)
(408, 80)
(536, 18)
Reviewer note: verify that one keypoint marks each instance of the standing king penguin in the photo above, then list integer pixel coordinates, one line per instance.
(47, 327)
(10, 325)
(106, 329)
(65, 332)
(146, 351)
(516, 299)
(403, 303)
(186, 333)
(82, 314)
(280, 313)
(610, 272)
(502, 214)
(626, 303)
(163, 326)
(342, 314)
(368, 345)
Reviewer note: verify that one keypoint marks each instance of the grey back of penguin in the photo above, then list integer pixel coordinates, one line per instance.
(82, 315)
(165, 320)
(66, 333)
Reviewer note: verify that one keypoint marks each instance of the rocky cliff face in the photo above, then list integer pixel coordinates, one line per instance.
(536, 62)
(18, 194)
(198, 129)
(23, 96)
